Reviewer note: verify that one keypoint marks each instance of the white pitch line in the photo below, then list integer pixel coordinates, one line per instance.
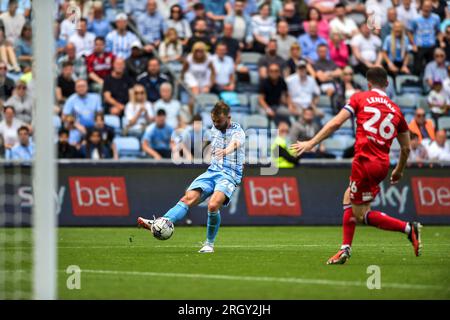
(391, 285)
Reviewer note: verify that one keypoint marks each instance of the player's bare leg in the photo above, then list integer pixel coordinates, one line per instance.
(215, 203)
(348, 230)
(191, 198)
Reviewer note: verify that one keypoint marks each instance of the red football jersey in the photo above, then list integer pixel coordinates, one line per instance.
(378, 121)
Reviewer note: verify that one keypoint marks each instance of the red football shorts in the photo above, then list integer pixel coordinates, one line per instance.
(365, 179)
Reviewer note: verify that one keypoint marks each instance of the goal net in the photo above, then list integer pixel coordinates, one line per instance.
(27, 206)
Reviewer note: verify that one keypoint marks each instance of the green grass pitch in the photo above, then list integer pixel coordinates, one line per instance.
(251, 263)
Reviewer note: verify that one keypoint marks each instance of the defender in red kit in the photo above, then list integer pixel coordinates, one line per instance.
(379, 121)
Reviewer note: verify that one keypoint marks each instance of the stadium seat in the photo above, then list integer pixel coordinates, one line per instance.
(360, 80)
(444, 123)
(243, 104)
(205, 102)
(128, 147)
(114, 122)
(256, 121)
(335, 146)
(346, 129)
(250, 59)
(403, 88)
(254, 104)
(324, 104)
(407, 102)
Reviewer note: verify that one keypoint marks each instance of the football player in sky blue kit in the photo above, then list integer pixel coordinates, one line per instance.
(221, 178)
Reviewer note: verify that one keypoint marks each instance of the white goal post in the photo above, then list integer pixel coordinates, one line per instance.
(44, 167)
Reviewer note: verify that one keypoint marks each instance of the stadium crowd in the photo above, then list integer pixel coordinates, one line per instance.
(136, 78)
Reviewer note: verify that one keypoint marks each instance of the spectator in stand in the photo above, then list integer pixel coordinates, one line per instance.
(386, 29)
(9, 126)
(310, 41)
(107, 134)
(327, 73)
(407, 12)
(273, 95)
(67, 27)
(233, 45)
(7, 53)
(99, 65)
(134, 8)
(164, 6)
(423, 32)
(438, 101)
(171, 49)
(83, 40)
(284, 40)
(76, 131)
(339, 52)
(79, 64)
(440, 8)
(60, 43)
(13, 22)
(65, 85)
(305, 129)
(269, 58)
(94, 148)
(171, 106)
(263, 27)
(152, 80)
(250, 7)
(64, 148)
(139, 112)
(151, 25)
(198, 71)
(119, 41)
(224, 69)
(345, 89)
(283, 156)
(418, 152)
(137, 61)
(395, 51)
(117, 89)
(293, 19)
(343, 24)
(6, 83)
(178, 145)
(217, 11)
(24, 48)
(200, 14)
(241, 24)
(179, 23)
(326, 7)
(83, 105)
(24, 150)
(23, 7)
(22, 102)
(99, 24)
(156, 139)
(446, 82)
(294, 60)
(113, 8)
(378, 8)
(422, 127)
(436, 69)
(439, 150)
(201, 34)
(445, 43)
(303, 91)
(366, 47)
(323, 27)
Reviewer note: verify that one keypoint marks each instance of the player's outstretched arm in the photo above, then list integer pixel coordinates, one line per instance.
(304, 146)
(404, 141)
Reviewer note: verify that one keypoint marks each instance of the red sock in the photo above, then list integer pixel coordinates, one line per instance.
(383, 221)
(348, 226)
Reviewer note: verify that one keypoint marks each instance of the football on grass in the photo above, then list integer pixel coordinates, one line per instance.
(162, 228)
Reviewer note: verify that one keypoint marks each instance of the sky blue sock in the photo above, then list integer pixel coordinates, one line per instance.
(177, 212)
(212, 227)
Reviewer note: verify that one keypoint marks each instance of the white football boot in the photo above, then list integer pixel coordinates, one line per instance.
(145, 223)
(207, 248)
